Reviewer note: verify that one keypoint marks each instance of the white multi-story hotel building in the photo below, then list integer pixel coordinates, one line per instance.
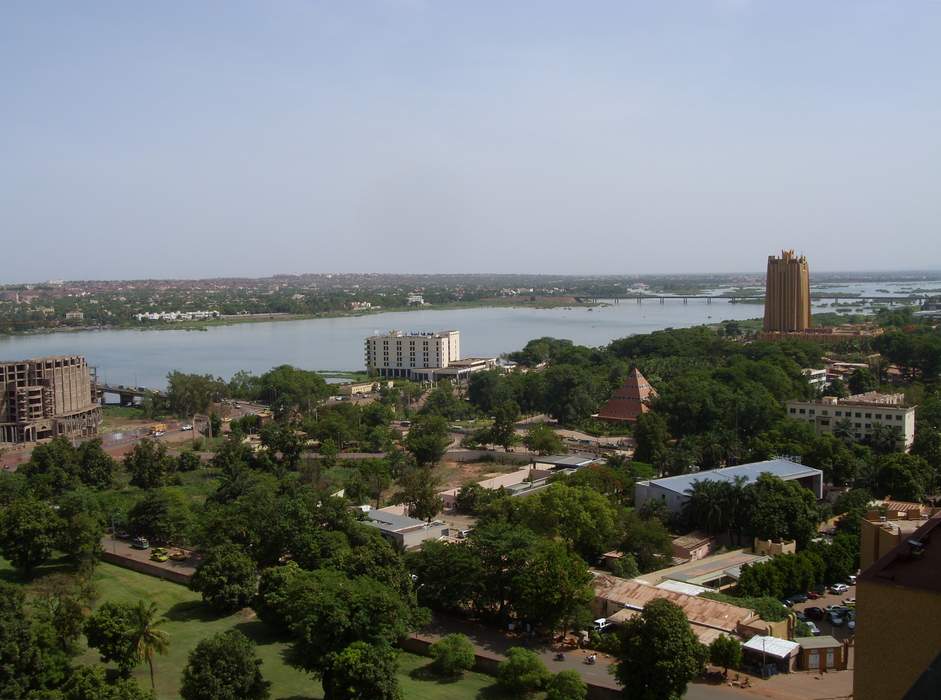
(398, 354)
(862, 412)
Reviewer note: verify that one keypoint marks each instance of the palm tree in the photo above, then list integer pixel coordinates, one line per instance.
(148, 639)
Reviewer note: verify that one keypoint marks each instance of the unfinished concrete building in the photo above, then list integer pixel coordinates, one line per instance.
(46, 397)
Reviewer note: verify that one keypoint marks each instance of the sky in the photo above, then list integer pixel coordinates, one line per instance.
(204, 139)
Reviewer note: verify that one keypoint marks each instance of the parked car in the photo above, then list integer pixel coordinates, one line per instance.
(851, 625)
(160, 554)
(814, 630)
(814, 613)
(797, 598)
(813, 595)
(836, 619)
(186, 427)
(179, 555)
(123, 534)
(849, 602)
(140, 543)
(839, 588)
(851, 579)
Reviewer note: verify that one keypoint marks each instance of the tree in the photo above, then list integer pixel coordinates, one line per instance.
(577, 514)
(96, 467)
(782, 510)
(357, 609)
(148, 464)
(552, 588)
(110, 630)
(428, 440)
(362, 671)
(503, 430)
(905, 477)
(162, 516)
(523, 672)
(19, 655)
(227, 578)
(543, 440)
(87, 682)
(146, 637)
(288, 389)
(566, 685)
(861, 381)
(658, 654)
(224, 667)
(726, 652)
(450, 577)
(188, 394)
(82, 526)
(838, 388)
(418, 490)
(651, 439)
(884, 439)
(453, 654)
(188, 462)
(647, 540)
(29, 529)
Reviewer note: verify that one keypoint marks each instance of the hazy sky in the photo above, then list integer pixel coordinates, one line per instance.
(203, 138)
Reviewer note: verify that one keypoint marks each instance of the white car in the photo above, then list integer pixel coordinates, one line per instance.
(814, 630)
(839, 588)
(186, 427)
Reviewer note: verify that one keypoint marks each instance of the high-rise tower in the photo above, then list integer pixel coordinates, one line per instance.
(787, 293)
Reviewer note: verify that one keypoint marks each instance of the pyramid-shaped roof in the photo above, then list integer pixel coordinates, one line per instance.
(628, 402)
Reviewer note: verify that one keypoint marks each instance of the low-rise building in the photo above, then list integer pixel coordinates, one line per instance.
(767, 651)
(630, 401)
(403, 531)
(717, 573)
(817, 378)
(898, 617)
(352, 388)
(823, 653)
(693, 546)
(457, 370)
(860, 413)
(619, 600)
(673, 491)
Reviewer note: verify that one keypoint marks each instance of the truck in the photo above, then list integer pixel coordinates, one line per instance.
(158, 429)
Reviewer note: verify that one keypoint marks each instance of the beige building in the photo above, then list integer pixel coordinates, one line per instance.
(883, 530)
(46, 397)
(398, 354)
(898, 617)
(863, 411)
(787, 294)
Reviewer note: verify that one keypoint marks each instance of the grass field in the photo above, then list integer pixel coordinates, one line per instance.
(189, 621)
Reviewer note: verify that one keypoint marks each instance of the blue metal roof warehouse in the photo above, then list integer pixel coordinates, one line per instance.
(674, 490)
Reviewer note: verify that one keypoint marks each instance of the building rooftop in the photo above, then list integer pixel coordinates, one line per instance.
(681, 587)
(772, 646)
(824, 641)
(915, 563)
(413, 334)
(782, 468)
(634, 595)
(707, 568)
(692, 540)
(392, 522)
(565, 460)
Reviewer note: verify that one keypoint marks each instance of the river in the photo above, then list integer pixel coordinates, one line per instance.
(143, 358)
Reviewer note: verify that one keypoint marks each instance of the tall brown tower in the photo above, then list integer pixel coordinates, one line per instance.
(787, 293)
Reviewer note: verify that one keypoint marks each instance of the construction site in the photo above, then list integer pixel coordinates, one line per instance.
(45, 397)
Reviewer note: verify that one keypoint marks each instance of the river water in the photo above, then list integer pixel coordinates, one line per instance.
(143, 358)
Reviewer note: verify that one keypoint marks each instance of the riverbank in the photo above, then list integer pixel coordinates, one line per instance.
(232, 320)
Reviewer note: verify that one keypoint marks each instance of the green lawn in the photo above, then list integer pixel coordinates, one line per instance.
(189, 621)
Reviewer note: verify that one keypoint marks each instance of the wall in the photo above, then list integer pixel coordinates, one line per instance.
(897, 629)
(144, 567)
(773, 548)
(485, 662)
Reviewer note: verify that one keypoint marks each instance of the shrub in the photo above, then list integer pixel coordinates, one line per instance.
(452, 655)
(523, 671)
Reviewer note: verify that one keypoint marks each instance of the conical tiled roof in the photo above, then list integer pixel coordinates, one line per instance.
(628, 402)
